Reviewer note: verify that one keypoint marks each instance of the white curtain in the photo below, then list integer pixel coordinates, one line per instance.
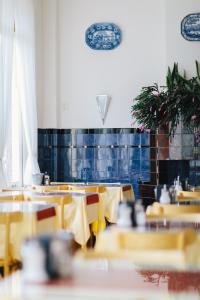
(6, 57)
(25, 52)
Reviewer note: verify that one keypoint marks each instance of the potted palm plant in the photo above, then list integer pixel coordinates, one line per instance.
(178, 101)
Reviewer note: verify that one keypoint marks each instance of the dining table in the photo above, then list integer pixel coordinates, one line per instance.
(79, 212)
(173, 222)
(37, 218)
(111, 194)
(99, 280)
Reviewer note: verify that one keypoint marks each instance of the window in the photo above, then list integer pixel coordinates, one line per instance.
(16, 124)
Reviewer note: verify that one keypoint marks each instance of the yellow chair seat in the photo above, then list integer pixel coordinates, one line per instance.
(135, 240)
(158, 209)
(88, 189)
(7, 219)
(188, 196)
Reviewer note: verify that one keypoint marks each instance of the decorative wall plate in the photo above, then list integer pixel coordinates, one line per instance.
(190, 27)
(103, 36)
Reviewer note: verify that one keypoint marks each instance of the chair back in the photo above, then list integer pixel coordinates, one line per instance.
(11, 197)
(188, 196)
(158, 209)
(88, 189)
(61, 201)
(157, 240)
(7, 219)
(117, 240)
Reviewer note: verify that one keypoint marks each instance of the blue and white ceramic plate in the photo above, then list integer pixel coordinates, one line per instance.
(103, 36)
(190, 27)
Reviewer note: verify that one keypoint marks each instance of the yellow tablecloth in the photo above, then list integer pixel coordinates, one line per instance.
(80, 210)
(37, 219)
(111, 195)
(111, 198)
(56, 197)
(49, 188)
(165, 210)
(80, 213)
(11, 196)
(174, 248)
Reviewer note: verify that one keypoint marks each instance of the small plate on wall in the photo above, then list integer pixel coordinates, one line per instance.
(190, 27)
(103, 36)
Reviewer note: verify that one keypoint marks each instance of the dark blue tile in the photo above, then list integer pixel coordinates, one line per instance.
(40, 153)
(79, 176)
(41, 165)
(112, 168)
(145, 165)
(47, 166)
(123, 139)
(134, 153)
(85, 153)
(47, 153)
(79, 165)
(64, 139)
(74, 153)
(99, 175)
(112, 153)
(134, 166)
(145, 176)
(123, 153)
(123, 167)
(145, 139)
(45, 139)
(86, 174)
(99, 139)
(134, 139)
(145, 153)
(64, 154)
(40, 139)
(111, 139)
(80, 153)
(67, 168)
(88, 139)
(52, 139)
(100, 153)
(101, 165)
(74, 165)
(88, 163)
(134, 176)
(89, 153)
(125, 179)
(74, 174)
(79, 139)
(54, 154)
(136, 191)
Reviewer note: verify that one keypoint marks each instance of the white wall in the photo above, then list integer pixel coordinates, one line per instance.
(73, 74)
(47, 62)
(178, 49)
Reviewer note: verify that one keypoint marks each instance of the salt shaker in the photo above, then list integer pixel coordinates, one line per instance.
(34, 261)
(124, 219)
(46, 179)
(140, 213)
(165, 198)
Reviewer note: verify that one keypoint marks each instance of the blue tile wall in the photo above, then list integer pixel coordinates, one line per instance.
(106, 155)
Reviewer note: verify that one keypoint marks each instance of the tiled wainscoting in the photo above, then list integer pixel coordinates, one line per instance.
(111, 155)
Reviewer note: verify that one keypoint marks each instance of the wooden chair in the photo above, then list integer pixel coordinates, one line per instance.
(88, 189)
(188, 196)
(61, 201)
(7, 219)
(11, 197)
(49, 188)
(158, 209)
(131, 241)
